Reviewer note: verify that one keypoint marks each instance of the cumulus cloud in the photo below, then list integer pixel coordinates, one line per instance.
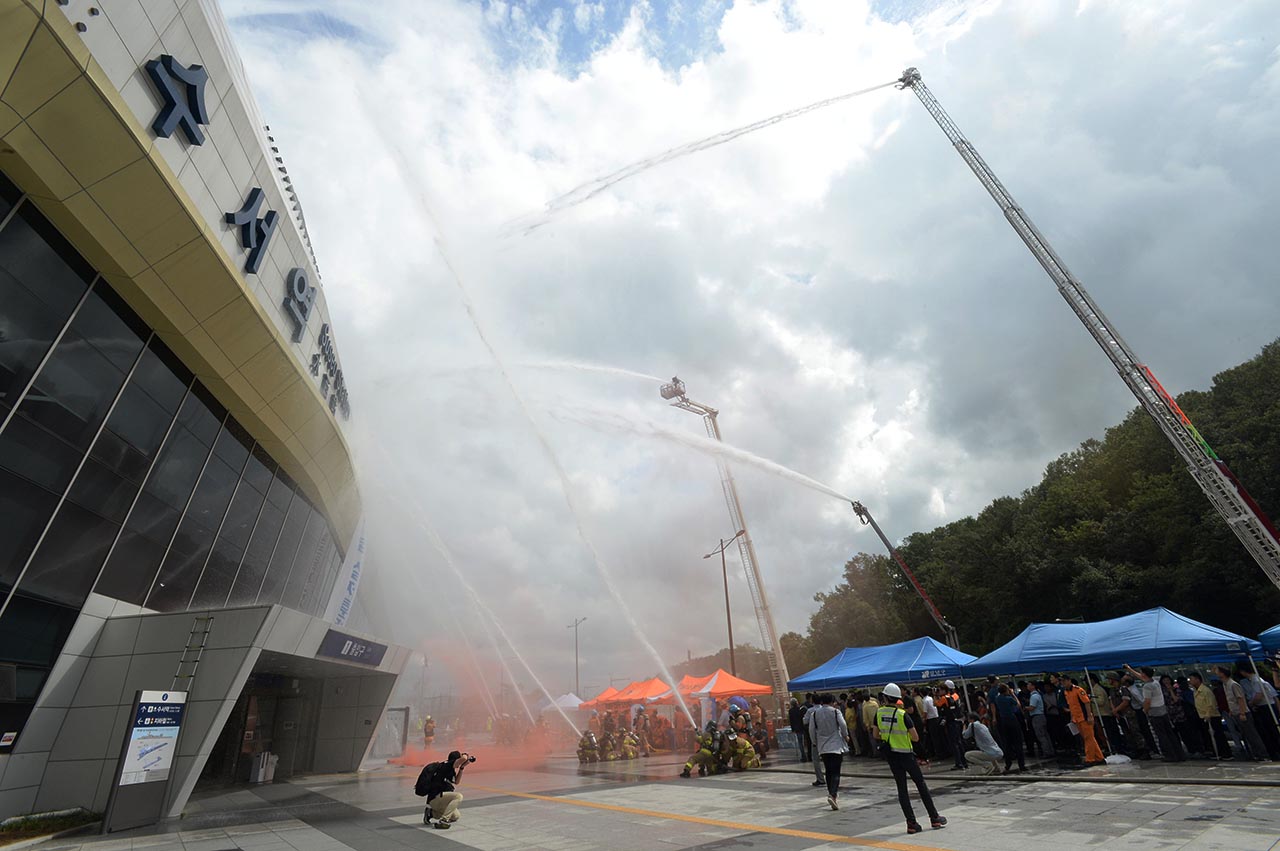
(838, 286)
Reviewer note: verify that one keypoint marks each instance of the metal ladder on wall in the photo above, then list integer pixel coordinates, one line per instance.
(201, 626)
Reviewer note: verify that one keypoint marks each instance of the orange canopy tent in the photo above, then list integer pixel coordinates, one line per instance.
(639, 692)
(719, 685)
(723, 684)
(605, 695)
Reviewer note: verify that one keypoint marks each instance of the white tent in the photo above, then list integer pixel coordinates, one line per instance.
(568, 702)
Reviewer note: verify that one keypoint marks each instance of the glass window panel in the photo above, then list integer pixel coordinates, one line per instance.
(30, 451)
(233, 444)
(212, 495)
(178, 468)
(286, 548)
(258, 472)
(68, 559)
(102, 491)
(130, 569)
(134, 432)
(162, 376)
(281, 493)
(32, 632)
(240, 518)
(9, 195)
(30, 681)
(75, 388)
(303, 563)
(41, 280)
(325, 588)
(182, 565)
(132, 566)
(24, 511)
(316, 566)
(219, 573)
(181, 569)
(203, 418)
(254, 565)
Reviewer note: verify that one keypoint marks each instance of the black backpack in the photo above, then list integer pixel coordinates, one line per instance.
(423, 787)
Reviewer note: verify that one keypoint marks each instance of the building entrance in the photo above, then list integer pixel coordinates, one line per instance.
(275, 716)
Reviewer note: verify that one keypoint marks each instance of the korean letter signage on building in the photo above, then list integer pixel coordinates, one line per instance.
(153, 741)
(348, 648)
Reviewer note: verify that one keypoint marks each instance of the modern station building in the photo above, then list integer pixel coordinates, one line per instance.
(178, 507)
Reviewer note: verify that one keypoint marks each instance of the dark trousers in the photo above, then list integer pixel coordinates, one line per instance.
(831, 766)
(937, 739)
(953, 739)
(1170, 745)
(1012, 744)
(806, 746)
(1265, 723)
(1144, 727)
(903, 764)
(1214, 732)
(1190, 731)
(1115, 737)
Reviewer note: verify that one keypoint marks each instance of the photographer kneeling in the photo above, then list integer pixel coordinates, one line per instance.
(436, 783)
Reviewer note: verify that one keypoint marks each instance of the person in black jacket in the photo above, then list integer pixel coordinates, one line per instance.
(437, 782)
(795, 717)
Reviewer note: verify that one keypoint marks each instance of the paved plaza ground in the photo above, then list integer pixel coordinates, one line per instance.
(555, 805)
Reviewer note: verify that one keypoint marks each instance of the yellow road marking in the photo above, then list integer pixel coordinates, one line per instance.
(711, 822)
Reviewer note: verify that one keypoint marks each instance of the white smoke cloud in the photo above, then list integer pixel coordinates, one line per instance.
(838, 285)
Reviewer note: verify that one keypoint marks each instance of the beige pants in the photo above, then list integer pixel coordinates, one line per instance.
(991, 763)
(445, 806)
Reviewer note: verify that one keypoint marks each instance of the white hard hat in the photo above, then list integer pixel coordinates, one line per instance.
(893, 691)
(950, 684)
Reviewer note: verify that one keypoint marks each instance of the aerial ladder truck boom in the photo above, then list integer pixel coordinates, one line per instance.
(1223, 489)
(948, 631)
(674, 392)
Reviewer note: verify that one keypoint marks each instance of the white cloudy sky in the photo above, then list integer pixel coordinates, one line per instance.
(839, 286)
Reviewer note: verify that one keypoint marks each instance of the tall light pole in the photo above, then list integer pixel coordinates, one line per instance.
(724, 572)
(674, 392)
(577, 688)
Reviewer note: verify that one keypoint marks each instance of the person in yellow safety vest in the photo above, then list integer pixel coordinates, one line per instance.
(704, 758)
(743, 754)
(895, 730)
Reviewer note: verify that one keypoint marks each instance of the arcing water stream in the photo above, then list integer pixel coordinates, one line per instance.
(419, 517)
(598, 418)
(592, 188)
(419, 197)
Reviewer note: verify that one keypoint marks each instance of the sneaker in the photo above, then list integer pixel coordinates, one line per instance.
(426, 817)
(818, 783)
(441, 825)
(914, 827)
(831, 799)
(938, 823)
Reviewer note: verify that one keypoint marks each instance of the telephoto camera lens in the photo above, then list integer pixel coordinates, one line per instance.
(470, 759)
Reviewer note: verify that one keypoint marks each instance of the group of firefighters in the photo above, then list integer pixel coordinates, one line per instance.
(737, 739)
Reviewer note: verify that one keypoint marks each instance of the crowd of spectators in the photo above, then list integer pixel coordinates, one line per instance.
(1227, 712)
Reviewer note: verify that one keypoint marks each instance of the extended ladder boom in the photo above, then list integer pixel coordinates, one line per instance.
(1224, 491)
(948, 631)
(675, 393)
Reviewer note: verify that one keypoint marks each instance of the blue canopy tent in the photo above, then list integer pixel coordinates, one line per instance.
(1154, 637)
(1271, 639)
(906, 661)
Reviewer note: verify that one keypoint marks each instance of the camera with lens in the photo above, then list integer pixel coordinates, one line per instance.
(470, 758)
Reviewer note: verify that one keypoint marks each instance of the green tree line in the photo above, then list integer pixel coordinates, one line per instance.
(1114, 527)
